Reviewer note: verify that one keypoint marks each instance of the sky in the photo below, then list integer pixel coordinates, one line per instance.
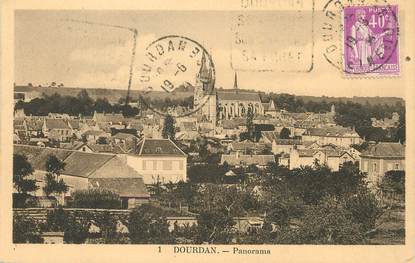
(50, 46)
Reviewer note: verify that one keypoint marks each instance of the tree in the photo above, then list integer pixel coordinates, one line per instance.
(107, 225)
(278, 214)
(85, 102)
(364, 209)
(75, 231)
(26, 230)
(102, 105)
(285, 133)
(326, 223)
(214, 197)
(250, 124)
(393, 181)
(21, 170)
(148, 224)
(168, 131)
(214, 227)
(53, 184)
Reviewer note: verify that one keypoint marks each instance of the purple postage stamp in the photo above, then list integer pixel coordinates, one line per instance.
(371, 40)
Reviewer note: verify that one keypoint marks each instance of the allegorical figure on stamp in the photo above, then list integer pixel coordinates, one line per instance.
(366, 43)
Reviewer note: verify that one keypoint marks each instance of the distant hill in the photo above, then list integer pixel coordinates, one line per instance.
(113, 95)
(360, 100)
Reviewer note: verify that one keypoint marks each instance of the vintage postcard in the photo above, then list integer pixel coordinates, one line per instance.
(245, 130)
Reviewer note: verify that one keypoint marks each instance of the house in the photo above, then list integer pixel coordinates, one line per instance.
(269, 108)
(20, 128)
(158, 160)
(85, 170)
(57, 129)
(247, 147)
(279, 146)
(337, 135)
(122, 137)
(92, 136)
(109, 118)
(242, 160)
(386, 123)
(34, 126)
(379, 158)
(76, 126)
(333, 158)
(269, 136)
(53, 115)
(284, 159)
(232, 127)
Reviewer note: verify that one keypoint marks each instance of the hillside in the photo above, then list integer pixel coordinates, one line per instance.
(113, 95)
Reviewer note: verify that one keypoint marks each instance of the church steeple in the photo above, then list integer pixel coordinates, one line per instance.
(235, 83)
(205, 73)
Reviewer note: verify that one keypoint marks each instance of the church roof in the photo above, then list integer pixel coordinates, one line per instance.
(239, 96)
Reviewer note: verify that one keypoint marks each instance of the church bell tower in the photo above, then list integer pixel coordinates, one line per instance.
(205, 87)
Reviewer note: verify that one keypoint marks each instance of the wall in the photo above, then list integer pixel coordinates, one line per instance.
(40, 214)
(375, 174)
(167, 168)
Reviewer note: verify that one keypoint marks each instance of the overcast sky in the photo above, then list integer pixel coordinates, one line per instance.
(49, 47)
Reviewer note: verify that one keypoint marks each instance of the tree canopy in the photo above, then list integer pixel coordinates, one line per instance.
(21, 170)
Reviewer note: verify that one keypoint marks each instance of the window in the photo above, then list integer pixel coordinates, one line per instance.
(375, 168)
(148, 165)
(396, 166)
(167, 165)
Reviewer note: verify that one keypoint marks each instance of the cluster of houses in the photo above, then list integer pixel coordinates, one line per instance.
(108, 151)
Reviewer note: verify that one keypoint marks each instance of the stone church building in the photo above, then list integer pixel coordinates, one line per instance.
(225, 104)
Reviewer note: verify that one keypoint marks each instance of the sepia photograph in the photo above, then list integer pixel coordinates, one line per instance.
(272, 123)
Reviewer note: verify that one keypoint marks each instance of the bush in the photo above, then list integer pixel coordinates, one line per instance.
(96, 198)
(19, 200)
(26, 230)
(394, 181)
(75, 231)
(364, 209)
(148, 225)
(325, 223)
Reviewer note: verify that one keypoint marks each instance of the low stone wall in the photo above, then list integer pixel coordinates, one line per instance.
(243, 224)
(40, 214)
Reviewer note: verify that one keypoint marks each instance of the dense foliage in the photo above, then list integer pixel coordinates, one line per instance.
(26, 230)
(352, 113)
(148, 224)
(54, 184)
(169, 130)
(95, 198)
(394, 181)
(73, 105)
(75, 230)
(21, 170)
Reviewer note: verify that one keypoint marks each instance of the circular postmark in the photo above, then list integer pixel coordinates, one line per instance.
(361, 37)
(176, 77)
